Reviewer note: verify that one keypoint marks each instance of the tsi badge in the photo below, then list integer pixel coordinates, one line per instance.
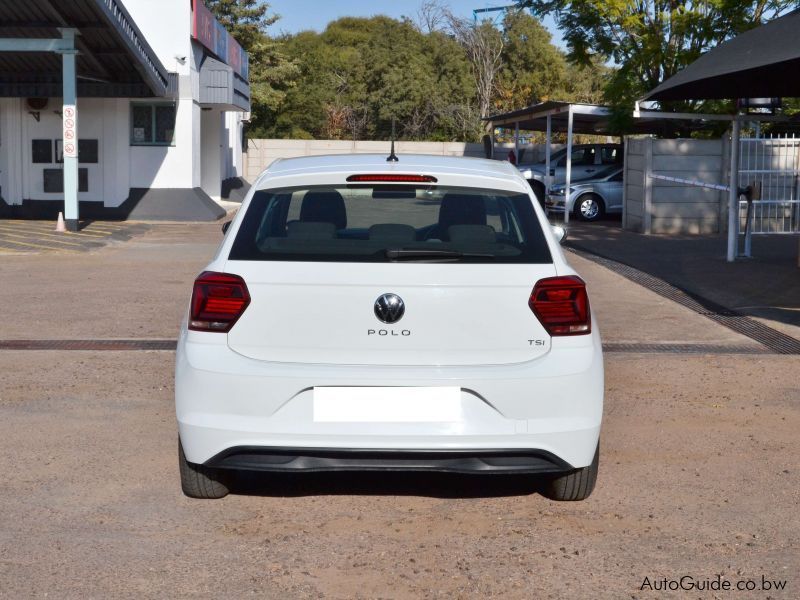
(389, 308)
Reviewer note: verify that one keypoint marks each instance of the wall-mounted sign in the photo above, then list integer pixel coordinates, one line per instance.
(70, 122)
(213, 35)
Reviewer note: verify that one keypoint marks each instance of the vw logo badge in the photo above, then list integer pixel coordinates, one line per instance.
(389, 308)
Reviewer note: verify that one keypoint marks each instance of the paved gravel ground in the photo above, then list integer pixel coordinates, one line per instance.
(699, 472)
(696, 479)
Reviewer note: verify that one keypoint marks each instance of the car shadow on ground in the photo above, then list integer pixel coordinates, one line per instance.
(383, 483)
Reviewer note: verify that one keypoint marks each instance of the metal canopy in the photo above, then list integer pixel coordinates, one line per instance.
(114, 59)
(761, 62)
(589, 119)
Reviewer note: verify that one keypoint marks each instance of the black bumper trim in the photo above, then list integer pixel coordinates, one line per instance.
(257, 458)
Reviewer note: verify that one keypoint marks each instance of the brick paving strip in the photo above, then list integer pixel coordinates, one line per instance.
(170, 345)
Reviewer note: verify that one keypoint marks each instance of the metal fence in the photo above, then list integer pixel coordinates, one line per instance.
(772, 164)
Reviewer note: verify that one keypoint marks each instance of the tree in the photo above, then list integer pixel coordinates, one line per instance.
(272, 74)
(431, 16)
(360, 73)
(533, 69)
(483, 45)
(650, 40)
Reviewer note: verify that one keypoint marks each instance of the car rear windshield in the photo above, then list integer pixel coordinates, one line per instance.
(390, 223)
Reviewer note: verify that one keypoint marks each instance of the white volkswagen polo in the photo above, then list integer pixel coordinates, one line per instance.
(415, 314)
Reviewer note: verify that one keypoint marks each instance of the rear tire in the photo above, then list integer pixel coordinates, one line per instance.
(199, 481)
(575, 485)
(590, 207)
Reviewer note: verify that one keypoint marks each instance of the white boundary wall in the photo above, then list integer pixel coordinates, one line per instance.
(263, 152)
(658, 206)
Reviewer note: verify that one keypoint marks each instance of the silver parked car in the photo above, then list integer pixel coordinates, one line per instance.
(588, 160)
(591, 198)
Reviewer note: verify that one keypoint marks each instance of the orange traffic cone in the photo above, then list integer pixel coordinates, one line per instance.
(60, 224)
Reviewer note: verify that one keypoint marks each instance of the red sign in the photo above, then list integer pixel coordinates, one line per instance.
(209, 32)
(69, 117)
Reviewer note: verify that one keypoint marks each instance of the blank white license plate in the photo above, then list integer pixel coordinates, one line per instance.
(387, 404)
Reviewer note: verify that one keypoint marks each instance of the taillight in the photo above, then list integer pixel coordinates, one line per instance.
(218, 300)
(561, 305)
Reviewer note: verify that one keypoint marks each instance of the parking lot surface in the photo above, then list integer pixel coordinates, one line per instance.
(22, 236)
(698, 475)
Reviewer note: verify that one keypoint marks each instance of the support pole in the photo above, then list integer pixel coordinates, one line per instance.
(733, 192)
(547, 148)
(516, 142)
(568, 178)
(70, 140)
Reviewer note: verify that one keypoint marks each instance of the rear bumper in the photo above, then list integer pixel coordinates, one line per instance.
(237, 412)
(255, 458)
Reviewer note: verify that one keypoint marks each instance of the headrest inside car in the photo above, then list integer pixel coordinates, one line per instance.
(310, 230)
(324, 206)
(462, 209)
(392, 232)
(471, 234)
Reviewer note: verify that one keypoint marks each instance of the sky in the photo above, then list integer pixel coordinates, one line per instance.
(299, 15)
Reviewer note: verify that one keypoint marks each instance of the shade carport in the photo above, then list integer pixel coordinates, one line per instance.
(757, 63)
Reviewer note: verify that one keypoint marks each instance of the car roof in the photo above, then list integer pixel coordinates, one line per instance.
(428, 163)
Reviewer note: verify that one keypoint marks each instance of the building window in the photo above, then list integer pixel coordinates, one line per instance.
(42, 151)
(152, 124)
(87, 151)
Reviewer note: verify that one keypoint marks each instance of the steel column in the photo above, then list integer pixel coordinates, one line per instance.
(70, 111)
(733, 192)
(568, 175)
(547, 149)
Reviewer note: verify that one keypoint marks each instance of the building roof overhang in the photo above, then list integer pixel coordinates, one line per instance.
(113, 57)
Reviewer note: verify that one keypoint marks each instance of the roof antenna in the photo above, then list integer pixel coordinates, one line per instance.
(392, 155)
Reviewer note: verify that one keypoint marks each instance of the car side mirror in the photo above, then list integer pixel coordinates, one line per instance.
(225, 226)
(560, 232)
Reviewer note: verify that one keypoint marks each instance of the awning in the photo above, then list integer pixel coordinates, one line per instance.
(762, 62)
(114, 58)
(220, 87)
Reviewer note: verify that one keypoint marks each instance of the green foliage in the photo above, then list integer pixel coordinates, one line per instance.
(360, 73)
(352, 79)
(272, 74)
(534, 70)
(650, 40)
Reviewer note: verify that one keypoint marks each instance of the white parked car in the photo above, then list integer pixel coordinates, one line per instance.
(370, 315)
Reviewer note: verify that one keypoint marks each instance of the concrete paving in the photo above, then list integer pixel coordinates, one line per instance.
(766, 287)
(35, 237)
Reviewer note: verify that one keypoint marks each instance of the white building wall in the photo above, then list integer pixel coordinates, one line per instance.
(210, 166)
(115, 151)
(167, 27)
(105, 120)
(232, 143)
(11, 165)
